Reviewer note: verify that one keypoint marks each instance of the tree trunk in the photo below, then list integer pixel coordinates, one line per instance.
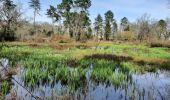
(53, 25)
(34, 22)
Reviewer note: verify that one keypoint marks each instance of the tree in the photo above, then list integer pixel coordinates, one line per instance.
(162, 28)
(115, 28)
(35, 5)
(107, 30)
(89, 33)
(124, 24)
(143, 24)
(75, 16)
(65, 5)
(109, 16)
(83, 4)
(64, 10)
(82, 23)
(83, 16)
(9, 18)
(108, 21)
(53, 14)
(98, 26)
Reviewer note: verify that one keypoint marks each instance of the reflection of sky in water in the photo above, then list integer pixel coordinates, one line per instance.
(156, 83)
(147, 86)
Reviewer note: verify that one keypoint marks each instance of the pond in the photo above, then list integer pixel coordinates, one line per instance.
(134, 86)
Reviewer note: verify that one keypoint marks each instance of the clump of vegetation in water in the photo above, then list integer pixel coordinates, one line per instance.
(111, 71)
(38, 72)
(4, 89)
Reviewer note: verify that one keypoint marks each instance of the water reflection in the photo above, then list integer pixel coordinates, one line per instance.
(148, 86)
(135, 86)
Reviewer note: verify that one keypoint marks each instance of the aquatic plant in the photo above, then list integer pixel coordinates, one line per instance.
(117, 78)
(4, 89)
(110, 63)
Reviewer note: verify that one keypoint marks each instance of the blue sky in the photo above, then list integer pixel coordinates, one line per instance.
(132, 9)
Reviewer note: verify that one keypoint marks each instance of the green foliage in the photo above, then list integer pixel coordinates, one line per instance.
(115, 27)
(99, 26)
(89, 34)
(162, 32)
(35, 4)
(7, 35)
(9, 16)
(162, 24)
(52, 13)
(109, 18)
(117, 78)
(42, 65)
(107, 30)
(124, 21)
(111, 71)
(77, 21)
(125, 24)
(4, 88)
(65, 5)
(84, 4)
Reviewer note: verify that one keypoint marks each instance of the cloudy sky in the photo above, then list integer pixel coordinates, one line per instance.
(132, 9)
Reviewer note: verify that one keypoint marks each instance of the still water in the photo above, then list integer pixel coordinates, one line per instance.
(147, 86)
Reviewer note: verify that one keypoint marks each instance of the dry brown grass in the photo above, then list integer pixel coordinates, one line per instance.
(61, 39)
(59, 46)
(165, 44)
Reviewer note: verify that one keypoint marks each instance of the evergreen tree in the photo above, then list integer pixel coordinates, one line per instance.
(107, 30)
(35, 5)
(98, 26)
(162, 29)
(115, 28)
(125, 24)
(53, 14)
(108, 22)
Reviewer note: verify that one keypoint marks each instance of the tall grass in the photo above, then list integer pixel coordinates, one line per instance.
(46, 65)
(4, 89)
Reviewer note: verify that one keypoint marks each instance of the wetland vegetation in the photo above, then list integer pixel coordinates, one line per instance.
(57, 50)
(101, 66)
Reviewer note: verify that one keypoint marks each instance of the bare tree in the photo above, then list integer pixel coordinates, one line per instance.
(143, 28)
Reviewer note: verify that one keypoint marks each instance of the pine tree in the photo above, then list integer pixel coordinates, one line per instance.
(35, 5)
(99, 26)
(53, 14)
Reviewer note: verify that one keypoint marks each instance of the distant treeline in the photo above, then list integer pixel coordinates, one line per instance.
(72, 17)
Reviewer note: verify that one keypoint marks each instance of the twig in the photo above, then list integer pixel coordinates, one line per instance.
(18, 82)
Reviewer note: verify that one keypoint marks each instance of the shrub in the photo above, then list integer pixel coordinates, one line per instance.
(32, 31)
(165, 45)
(50, 33)
(127, 35)
(9, 35)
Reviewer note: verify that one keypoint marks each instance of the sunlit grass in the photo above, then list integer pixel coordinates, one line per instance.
(4, 89)
(45, 64)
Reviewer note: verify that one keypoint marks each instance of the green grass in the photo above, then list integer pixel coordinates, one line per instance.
(44, 64)
(137, 51)
(4, 89)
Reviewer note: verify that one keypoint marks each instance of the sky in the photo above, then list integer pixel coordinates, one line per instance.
(132, 9)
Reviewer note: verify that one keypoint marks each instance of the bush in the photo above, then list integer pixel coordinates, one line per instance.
(8, 35)
(164, 45)
(32, 31)
(127, 35)
(50, 33)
